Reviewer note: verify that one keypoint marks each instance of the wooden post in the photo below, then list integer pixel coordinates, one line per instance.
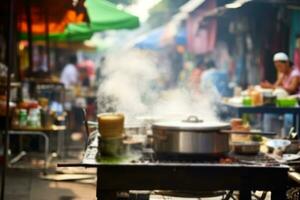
(29, 33)
(47, 38)
(11, 63)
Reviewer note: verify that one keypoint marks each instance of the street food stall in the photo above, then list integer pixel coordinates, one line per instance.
(188, 157)
(170, 165)
(189, 178)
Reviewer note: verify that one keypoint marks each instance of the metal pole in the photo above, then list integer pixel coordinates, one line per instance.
(11, 56)
(29, 33)
(47, 37)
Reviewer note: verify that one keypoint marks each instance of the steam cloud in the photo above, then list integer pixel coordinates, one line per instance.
(134, 85)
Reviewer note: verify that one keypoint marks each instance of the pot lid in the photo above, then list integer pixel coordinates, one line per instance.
(192, 125)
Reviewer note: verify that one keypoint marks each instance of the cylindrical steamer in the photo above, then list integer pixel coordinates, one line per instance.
(111, 125)
(111, 129)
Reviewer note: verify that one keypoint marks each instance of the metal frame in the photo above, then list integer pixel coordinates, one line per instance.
(116, 178)
(45, 135)
(39, 133)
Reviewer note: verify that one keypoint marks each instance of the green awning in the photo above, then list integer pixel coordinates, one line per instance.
(103, 16)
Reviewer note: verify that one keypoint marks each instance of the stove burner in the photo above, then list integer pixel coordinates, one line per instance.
(260, 159)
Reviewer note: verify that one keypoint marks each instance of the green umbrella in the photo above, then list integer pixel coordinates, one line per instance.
(103, 15)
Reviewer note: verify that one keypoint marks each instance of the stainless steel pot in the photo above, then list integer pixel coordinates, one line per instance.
(191, 136)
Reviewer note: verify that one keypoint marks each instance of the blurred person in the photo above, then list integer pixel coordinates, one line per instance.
(288, 76)
(208, 77)
(84, 77)
(89, 66)
(289, 79)
(69, 76)
(215, 81)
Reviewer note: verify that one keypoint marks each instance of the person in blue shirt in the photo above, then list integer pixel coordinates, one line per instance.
(215, 80)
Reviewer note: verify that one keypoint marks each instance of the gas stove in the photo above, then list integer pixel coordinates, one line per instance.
(261, 159)
(151, 172)
(148, 155)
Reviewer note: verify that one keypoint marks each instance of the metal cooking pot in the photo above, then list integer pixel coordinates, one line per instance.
(191, 136)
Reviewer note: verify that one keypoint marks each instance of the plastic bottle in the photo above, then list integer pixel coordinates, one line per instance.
(34, 118)
(23, 117)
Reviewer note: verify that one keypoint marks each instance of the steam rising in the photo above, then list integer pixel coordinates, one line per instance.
(134, 85)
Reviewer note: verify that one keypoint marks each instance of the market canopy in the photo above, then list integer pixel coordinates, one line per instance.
(156, 39)
(57, 14)
(151, 40)
(102, 16)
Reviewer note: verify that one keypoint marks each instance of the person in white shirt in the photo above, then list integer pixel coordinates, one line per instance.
(69, 75)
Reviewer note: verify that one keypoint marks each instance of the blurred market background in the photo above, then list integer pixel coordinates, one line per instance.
(71, 60)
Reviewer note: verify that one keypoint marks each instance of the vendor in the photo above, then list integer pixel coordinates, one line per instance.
(288, 77)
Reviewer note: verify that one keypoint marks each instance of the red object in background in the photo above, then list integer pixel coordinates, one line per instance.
(59, 13)
(38, 27)
(28, 104)
(89, 65)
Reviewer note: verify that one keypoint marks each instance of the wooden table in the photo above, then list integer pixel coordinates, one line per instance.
(124, 176)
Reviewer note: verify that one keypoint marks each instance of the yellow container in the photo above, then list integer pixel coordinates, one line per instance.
(111, 125)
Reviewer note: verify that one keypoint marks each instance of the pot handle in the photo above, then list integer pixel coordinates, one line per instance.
(193, 119)
(249, 132)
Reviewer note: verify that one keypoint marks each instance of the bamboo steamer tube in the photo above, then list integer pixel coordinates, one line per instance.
(110, 125)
